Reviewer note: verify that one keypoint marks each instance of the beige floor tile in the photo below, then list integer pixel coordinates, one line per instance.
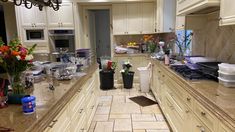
(105, 98)
(101, 117)
(157, 130)
(151, 109)
(150, 125)
(102, 93)
(143, 117)
(138, 130)
(137, 93)
(102, 110)
(105, 104)
(122, 125)
(125, 108)
(159, 117)
(120, 116)
(104, 127)
(120, 99)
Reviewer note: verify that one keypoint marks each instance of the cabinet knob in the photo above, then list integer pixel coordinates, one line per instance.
(53, 123)
(81, 110)
(202, 129)
(203, 113)
(187, 111)
(188, 99)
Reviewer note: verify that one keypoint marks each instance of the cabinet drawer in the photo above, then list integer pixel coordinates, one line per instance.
(77, 106)
(79, 126)
(198, 126)
(223, 128)
(205, 116)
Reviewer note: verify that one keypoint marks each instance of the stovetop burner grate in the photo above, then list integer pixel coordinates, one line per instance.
(191, 74)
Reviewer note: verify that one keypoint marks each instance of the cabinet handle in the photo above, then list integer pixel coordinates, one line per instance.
(203, 113)
(163, 75)
(61, 24)
(202, 129)
(188, 99)
(81, 110)
(187, 111)
(53, 123)
(82, 129)
(92, 107)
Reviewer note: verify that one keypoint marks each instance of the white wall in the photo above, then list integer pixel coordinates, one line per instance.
(10, 20)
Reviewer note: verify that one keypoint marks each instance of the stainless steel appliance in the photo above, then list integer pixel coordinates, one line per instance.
(62, 40)
(35, 34)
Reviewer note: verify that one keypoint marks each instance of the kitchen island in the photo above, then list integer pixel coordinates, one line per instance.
(193, 105)
(60, 109)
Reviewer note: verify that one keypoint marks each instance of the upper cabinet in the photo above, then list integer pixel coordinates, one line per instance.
(227, 12)
(180, 23)
(185, 7)
(133, 18)
(165, 17)
(63, 18)
(32, 18)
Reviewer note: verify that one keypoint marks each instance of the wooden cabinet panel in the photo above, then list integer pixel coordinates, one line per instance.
(119, 19)
(165, 16)
(133, 18)
(198, 126)
(205, 116)
(63, 18)
(147, 18)
(227, 12)
(134, 25)
(185, 7)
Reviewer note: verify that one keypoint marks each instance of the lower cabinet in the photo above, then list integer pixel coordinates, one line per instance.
(77, 115)
(183, 112)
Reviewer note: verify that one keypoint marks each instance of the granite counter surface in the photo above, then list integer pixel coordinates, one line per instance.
(48, 104)
(215, 97)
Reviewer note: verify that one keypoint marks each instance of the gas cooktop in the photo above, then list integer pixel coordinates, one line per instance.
(191, 74)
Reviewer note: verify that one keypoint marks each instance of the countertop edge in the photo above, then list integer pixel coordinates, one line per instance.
(43, 123)
(213, 108)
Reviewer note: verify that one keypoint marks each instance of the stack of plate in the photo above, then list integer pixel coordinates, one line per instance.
(227, 74)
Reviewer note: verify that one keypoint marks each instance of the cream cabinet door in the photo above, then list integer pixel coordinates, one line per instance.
(61, 123)
(134, 25)
(147, 18)
(119, 19)
(180, 23)
(53, 18)
(165, 15)
(32, 17)
(67, 15)
(63, 18)
(227, 12)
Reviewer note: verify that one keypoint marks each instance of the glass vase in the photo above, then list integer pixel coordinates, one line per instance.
(16, 83)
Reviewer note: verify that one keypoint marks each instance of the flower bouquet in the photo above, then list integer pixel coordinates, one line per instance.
(127, 75)
(15, 59)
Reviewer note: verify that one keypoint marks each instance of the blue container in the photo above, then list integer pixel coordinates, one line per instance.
(28, 104)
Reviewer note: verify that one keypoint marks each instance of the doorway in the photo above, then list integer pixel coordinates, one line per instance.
(2, 25)
(99, 29)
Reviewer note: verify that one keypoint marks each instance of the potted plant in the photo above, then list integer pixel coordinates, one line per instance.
(15, 59)
(127, 75)
(106, 75)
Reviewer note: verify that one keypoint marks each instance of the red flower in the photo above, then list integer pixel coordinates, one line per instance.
(4, 48)
(15, 53)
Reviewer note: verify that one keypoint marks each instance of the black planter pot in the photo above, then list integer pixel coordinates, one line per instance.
(106, 80)
(128, 79)
(15, 98)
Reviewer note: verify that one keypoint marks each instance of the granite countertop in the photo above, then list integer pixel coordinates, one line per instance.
(48, 104)
(218, 99)
(131, 55)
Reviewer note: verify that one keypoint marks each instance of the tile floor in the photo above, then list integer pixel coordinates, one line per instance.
(116, 113)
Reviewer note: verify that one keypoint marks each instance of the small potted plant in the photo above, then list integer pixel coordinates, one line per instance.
(127, 75)
(106, 75)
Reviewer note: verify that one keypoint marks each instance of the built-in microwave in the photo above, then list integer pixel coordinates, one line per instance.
(34, 34)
